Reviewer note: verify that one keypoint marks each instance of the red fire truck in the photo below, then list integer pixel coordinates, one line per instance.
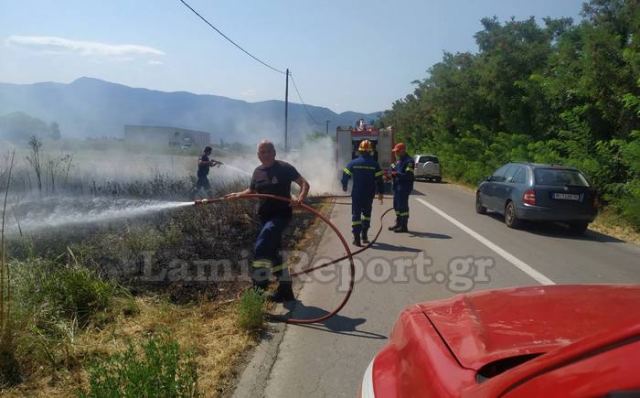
(348, 138)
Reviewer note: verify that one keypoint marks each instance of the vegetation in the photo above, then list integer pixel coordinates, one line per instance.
(9, 370)
(159, 370)
(560, 93)
(251, 310)
(18, 126)
(73, 301)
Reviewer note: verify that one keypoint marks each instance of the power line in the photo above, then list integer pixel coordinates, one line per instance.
(231, 41)
(301, 100)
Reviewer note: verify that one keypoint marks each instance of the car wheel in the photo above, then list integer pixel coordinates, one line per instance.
(480, 209)
(510, 217)
(438, 180)
(578, 227)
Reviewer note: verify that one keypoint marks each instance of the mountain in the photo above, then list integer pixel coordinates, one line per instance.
(90, 107)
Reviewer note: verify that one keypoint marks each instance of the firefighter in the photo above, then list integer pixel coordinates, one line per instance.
(273, 177)
(204, 164)
(367, 178)
(402, 174)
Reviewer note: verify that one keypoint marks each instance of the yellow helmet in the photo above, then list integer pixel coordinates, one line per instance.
(365, 146)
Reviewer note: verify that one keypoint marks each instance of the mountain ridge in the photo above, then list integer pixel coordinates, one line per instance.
(89, 107)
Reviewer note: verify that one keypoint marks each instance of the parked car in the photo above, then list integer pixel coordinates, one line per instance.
(526, 342)
(427, 167)
(539, 192)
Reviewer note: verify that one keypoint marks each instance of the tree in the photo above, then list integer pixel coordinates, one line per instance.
(54, 131)
(34, 159)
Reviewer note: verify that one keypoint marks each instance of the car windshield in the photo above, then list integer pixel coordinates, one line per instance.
(560, 177)
(425, 159)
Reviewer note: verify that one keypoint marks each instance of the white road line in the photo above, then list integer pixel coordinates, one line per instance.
(521, 265)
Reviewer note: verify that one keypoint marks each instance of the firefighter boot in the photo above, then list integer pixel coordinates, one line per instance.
(396, 226)
(365, 238)
(283, 293)
(403, 225)
(356, 240)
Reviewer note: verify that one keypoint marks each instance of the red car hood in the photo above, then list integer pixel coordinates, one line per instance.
(483, 327)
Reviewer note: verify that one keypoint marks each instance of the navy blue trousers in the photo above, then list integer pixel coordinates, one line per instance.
(267, 256)
(361, 214)
(401, 205)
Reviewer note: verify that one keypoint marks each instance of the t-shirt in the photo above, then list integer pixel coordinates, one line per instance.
(203, 169)
(274, 180)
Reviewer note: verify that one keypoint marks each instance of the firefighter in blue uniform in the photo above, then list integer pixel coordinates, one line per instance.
(367, 176)
(402, 173)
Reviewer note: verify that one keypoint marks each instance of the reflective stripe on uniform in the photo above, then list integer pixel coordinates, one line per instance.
(353, 223)
(346, 171)
(279, 267)
(363, 218)
(261, 263)
(379, 173)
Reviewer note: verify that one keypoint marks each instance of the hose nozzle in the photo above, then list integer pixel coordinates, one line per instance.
(201, 202)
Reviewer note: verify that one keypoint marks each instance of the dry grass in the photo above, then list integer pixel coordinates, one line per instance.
(610, 224)
(209, 329)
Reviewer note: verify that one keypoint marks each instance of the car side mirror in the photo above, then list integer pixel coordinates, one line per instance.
(488, 178)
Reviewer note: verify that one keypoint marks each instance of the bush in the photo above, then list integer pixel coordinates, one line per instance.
(159, 370)
(629, 204)
(251, 310)
(72, 292)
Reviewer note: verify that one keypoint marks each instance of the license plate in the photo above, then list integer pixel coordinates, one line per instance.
(566, 196)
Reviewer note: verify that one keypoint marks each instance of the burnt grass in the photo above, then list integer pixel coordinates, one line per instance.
(180, 253)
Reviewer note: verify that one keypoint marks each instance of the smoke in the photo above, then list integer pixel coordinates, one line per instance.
(316, 162)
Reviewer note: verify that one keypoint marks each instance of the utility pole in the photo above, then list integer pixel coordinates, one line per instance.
(327, 127)
(286, 113)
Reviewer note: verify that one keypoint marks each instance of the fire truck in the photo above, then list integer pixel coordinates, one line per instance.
(348, 139)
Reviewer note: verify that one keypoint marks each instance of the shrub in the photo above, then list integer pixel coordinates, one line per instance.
(251, 310)
(158, 369)
(49, 290)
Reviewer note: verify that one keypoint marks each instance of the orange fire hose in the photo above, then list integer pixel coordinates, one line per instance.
(313, 211)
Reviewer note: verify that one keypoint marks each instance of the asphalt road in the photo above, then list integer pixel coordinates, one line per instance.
(451, 250)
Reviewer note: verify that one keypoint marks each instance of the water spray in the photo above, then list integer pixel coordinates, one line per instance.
(57, 212)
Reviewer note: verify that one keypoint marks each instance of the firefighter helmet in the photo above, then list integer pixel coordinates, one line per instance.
(365, 146)
(399, 147)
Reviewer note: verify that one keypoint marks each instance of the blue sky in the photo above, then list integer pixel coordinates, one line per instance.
(358, 55)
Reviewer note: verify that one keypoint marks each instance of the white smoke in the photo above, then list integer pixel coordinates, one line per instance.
(317, 164)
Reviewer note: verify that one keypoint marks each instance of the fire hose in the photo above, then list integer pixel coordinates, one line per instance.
(335, 229)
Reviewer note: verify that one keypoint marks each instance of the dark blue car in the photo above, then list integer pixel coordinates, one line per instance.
(539, 192)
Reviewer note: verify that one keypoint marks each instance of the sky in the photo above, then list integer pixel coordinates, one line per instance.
(348, 55)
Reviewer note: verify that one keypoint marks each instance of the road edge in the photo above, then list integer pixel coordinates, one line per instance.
(256, 370)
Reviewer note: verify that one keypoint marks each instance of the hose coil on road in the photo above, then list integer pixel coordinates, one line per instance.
(335, 229)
